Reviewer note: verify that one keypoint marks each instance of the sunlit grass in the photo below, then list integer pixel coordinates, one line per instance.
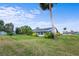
(32, 46)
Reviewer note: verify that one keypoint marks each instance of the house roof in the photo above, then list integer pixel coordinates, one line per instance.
(42, 29)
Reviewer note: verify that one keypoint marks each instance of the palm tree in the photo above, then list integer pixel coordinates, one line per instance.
(57, 30)
(65, 28)
(49, 6)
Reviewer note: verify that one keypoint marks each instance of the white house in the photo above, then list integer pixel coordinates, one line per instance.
(42, 31)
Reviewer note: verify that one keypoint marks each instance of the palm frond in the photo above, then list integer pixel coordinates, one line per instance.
(45, 6)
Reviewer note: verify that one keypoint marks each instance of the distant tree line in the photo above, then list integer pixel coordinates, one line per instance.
(9, 29)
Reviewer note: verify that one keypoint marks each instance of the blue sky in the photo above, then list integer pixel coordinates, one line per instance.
(64, 15)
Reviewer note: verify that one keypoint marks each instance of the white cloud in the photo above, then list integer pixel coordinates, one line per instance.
(28, 15)
(35, 11)
(15, 14)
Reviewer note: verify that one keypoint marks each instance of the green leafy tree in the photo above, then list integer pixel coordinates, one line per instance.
(24, 30)
(1, 25)
(9, 28)
(48, 35)
(18, 31)
(49, 6)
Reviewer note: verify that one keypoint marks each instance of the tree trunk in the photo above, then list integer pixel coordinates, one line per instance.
(51, 18)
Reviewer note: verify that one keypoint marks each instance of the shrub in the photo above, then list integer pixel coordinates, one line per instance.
(48, 35)
(58, 34)
(10, 33)
(34, 34)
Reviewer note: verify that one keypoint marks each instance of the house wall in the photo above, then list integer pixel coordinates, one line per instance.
(40, 33)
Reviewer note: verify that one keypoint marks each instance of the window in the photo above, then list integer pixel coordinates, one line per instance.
(41, 33)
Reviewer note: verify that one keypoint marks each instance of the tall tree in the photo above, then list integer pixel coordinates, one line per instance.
(9, 28)
(49, 6)
(24, 30)
(1, 25)
(18, 30)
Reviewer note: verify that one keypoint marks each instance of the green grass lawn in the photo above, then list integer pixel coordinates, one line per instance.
(23, 45)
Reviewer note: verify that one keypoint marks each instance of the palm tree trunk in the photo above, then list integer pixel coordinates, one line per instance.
(51, 18)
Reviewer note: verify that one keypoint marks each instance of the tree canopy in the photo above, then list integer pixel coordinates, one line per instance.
(24, 30)
(1, 25)
(9, 28)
